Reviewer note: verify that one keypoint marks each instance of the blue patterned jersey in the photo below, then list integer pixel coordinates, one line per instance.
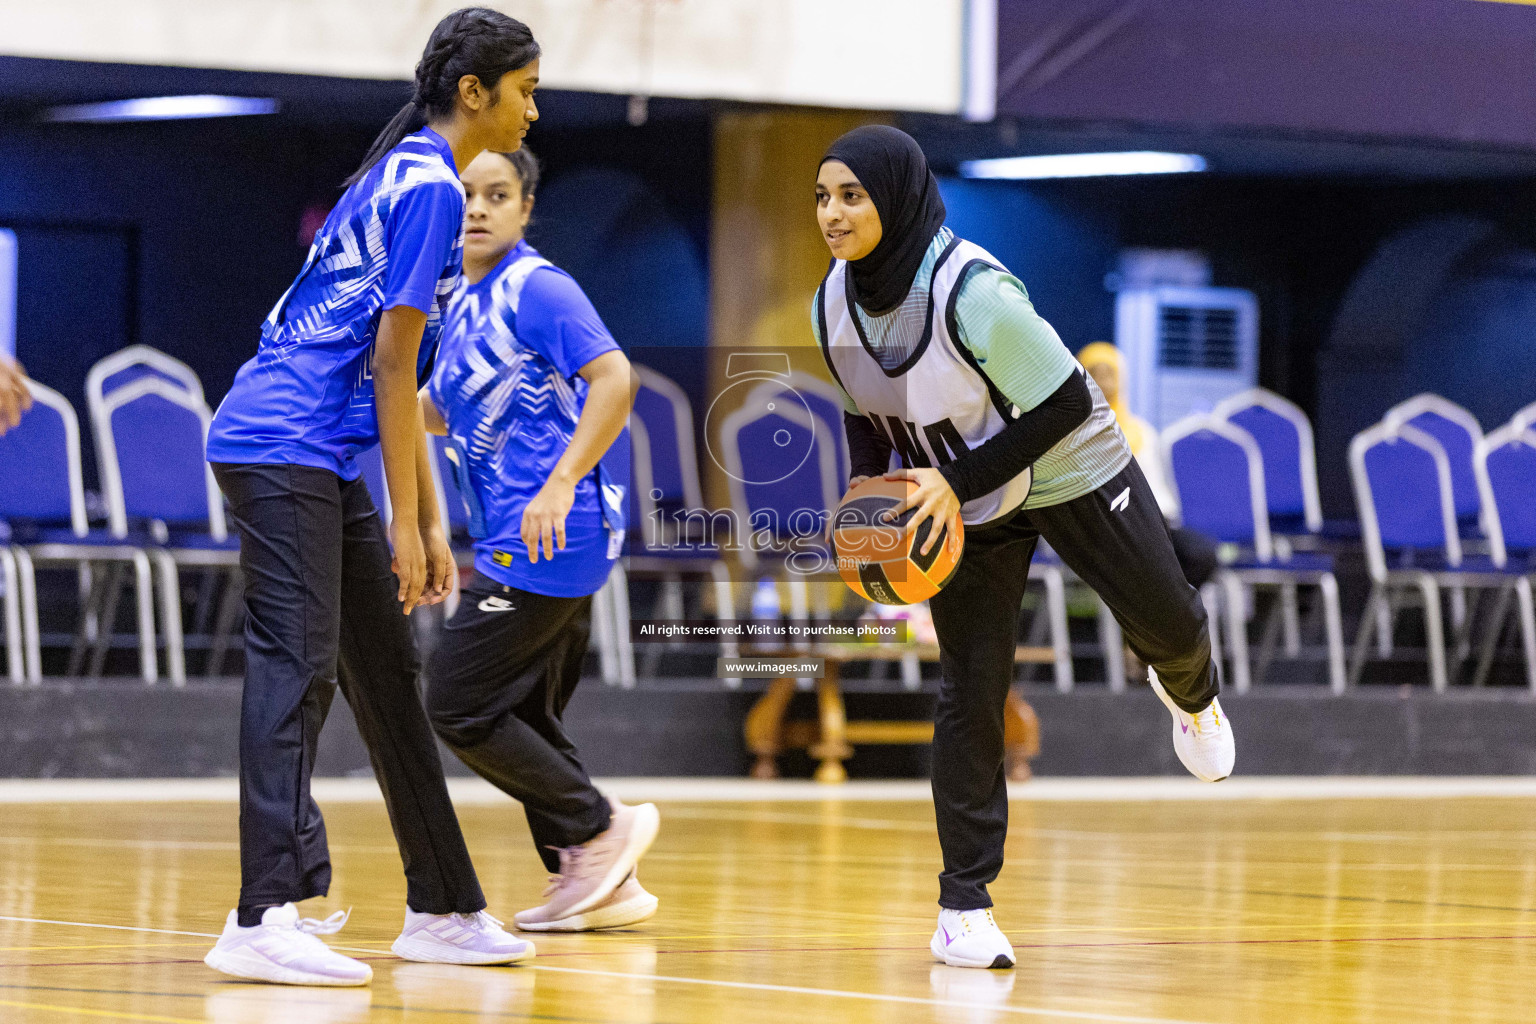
(506, 384)
(396, 238)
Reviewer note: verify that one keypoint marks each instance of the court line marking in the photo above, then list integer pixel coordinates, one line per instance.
(833, 993)
(112, 927)
(474, 791)
(77, 1011)
(1027, 1011)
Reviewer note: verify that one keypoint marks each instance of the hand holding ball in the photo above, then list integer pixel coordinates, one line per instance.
(878, 556)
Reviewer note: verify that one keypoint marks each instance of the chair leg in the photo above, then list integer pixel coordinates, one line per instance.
(1210, 596)
(1386, 614)
(1290, 620)
(799, 607)
(170, 617)
(725, 614)
(1493, 632)
(1434, 632)
(1333, 631)
(143, 593)
(1458, 605)
(623, 643)
(224, 621)
(602, 635)
(911, 671)
(1112, 641)
(26, 575)
(14, 647)
(1527, 627)
(1237, 630)
(1061, 638)
(106, 622)
(1369, 621)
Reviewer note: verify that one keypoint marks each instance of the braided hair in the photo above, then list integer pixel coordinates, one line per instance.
(472, 41)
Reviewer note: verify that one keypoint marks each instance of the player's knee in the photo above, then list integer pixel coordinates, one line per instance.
(453, 718)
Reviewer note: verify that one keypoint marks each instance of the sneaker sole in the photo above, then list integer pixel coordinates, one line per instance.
(437, 953)
(619, 915)
(261, 969)
(647, 824)
(999, 962)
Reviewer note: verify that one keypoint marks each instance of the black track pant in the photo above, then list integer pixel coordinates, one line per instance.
(1115, 539)
(497, 684)
(321, 608)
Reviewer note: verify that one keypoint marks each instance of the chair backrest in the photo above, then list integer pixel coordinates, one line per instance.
(1219, 473)
(1505, 462)
(151, 439)
(132, 363)
(821, 399)
(671, 464)
(1403, 489)
(40, 464)
(1458, 432)
(1525, 419)
(1284, 436)
(781, 472)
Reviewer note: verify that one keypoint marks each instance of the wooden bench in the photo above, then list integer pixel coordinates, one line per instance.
(830, 738)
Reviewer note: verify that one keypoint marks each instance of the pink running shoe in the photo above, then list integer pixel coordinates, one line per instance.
(590, 873)
(629, 904)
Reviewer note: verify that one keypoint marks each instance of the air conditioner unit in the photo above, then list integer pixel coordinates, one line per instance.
(1186, 348)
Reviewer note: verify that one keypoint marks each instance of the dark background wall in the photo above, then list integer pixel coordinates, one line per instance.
(181, 235)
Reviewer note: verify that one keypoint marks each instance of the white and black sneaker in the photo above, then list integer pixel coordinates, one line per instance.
(970, 938)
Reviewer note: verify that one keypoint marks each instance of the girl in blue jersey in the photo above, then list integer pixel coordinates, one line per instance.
(534, 393)
(340, 360)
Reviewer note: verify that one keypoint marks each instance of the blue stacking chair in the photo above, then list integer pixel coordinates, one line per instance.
(1505, 462)
(818, 397)
(670, 531)
(1404, 488)
(1284, 436)
(42, 508)
(781, 470)
(1219, 471)
(151, 439)
(1458, 432)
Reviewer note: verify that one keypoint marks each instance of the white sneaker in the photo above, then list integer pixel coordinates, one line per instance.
(629, 904)
(1203, 742)
(458, 939)
(283, 949)
(970, 938)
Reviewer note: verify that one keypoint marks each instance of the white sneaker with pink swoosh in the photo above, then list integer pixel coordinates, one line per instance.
(1204, 741)
(970, 938)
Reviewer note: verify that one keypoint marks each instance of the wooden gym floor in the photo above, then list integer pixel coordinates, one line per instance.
(1247, 909)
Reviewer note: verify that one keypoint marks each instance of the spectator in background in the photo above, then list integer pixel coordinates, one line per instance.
(1106, 365)
(15, 399)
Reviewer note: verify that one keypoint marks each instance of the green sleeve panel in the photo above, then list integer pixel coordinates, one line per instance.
(1016, 348)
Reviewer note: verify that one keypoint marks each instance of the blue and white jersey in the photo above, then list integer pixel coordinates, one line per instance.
(507, 386)
(396, 238)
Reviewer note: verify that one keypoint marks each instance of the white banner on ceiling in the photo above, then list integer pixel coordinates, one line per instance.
(875, 54)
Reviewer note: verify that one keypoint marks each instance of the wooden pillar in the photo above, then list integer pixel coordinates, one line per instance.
(766, 254)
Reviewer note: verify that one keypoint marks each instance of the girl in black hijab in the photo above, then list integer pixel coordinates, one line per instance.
(948, 367)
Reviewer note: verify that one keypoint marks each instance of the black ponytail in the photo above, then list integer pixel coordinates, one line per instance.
(473, 41)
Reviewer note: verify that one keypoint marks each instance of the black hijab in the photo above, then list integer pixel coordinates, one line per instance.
(890, 165)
